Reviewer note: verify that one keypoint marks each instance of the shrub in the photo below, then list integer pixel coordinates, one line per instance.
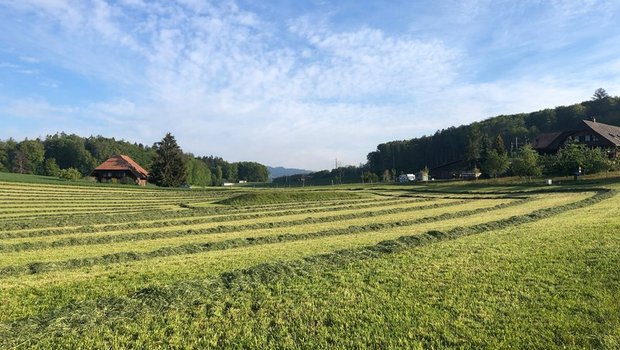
(70, 174)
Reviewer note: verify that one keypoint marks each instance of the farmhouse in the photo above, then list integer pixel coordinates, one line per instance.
(590, 133)
(120, 168)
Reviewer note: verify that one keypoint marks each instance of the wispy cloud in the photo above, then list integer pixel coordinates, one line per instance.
(27, 71)
(29, 59)
(50, 83)
(9, 65)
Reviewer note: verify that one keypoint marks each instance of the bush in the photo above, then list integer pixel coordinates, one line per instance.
(70, 174)
(127, 181)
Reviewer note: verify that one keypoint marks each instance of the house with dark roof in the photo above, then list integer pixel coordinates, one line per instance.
(591, 133)
(120, 168)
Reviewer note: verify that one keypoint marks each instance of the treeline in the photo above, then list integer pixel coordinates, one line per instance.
(61, 152)
(73, 156)
(215, 171)
(340, 175)
(464, 144)
(494, 147)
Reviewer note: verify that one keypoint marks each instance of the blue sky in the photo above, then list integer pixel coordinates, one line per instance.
(294, 83)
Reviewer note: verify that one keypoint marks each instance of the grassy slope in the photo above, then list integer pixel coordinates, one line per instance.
(546, 284)
(275, 197)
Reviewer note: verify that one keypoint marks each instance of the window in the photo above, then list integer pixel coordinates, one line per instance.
(594, 138)
(587, 138)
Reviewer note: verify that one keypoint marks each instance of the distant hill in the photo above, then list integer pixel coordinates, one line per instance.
(281, 171)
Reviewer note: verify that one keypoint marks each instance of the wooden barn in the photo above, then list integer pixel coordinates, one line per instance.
(123, 169)
(590, 133)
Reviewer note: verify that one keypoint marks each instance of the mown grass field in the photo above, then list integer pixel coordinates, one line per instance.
(358, 267)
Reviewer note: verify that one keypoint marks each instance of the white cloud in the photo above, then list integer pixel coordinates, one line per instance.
(9, 65)
(50, 83)
(35, 109)
(368, 63)
(226, 81)
(27, 71)
(29, 59)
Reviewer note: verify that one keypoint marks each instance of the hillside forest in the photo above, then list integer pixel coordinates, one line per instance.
(496, 146)
(466, 142)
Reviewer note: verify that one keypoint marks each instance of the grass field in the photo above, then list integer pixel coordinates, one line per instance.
(346, 267)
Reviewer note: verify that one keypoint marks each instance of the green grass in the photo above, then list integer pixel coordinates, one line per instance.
(442, 266)
(277, 197)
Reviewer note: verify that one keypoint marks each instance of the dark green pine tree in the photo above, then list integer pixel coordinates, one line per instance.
(499, 145)
(168, 168)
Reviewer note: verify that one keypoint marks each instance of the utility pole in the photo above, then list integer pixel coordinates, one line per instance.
(516, 143)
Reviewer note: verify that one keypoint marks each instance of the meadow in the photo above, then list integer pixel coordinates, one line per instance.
(455, 265)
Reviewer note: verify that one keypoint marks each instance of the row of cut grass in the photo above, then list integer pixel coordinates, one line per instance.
(232, 223)
(210, 295)
(201, 217)
(134, 254)
(166, 239)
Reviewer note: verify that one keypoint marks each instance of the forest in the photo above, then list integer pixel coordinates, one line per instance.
(465, 144)
(496, 146)
(72, 156)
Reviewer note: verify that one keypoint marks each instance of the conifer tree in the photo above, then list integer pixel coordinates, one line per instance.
(168, 168)
(498, 145)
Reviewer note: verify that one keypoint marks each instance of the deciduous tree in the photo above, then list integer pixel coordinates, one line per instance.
(50, 168)
(574, 156)
(526, 162)
(494, 163)
(30, 157)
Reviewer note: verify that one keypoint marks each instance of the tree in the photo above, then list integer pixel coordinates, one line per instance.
(526, 163)
(217, 176)
(30, 157)
(168, 168)
(474, 145)
(600, 94)
(369, 177)
(494, 164)
(70, 152)
(499, 146)
(4, 156)
(198, 173)
(596, 160)
(574, 156)
(50, 168)
(231, 172)
(252, 172)
(20, 163)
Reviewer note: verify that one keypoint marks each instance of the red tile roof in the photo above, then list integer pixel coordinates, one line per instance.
(122, 162)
